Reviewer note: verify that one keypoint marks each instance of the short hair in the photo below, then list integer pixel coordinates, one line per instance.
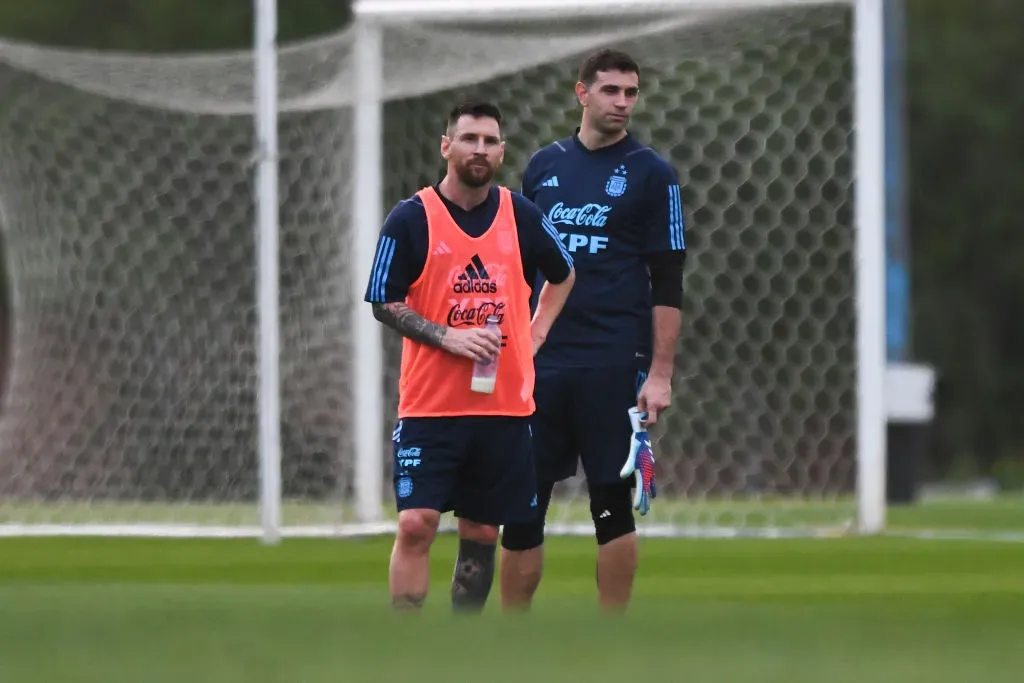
(606, 59)
(478, 109)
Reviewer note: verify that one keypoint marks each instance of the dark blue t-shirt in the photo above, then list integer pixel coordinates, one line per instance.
(613, 207)
(403, 242)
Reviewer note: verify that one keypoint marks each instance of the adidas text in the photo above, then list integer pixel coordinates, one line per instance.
(474, 287)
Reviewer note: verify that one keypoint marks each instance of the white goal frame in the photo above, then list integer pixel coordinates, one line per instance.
(267, 277)
(869, 213)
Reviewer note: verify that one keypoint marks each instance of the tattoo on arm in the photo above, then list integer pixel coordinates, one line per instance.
(398, 316)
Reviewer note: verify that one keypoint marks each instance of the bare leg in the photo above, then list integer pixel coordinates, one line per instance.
(474, 567)
(522, 556)
(520, 577)
(409, 572)
(616, 569)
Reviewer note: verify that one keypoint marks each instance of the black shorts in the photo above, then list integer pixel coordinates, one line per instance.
(582, 415)
(479, 467)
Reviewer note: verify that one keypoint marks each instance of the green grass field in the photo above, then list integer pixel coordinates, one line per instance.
(831, 610)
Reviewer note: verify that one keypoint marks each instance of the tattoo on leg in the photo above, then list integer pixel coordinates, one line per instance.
(398, 316)
(474, 574)
(408, 602)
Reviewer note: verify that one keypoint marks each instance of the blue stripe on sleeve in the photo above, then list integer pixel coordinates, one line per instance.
(381, 268)
(550, 229)
(675, 219)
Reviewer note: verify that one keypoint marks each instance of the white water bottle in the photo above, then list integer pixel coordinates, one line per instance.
(484, 374)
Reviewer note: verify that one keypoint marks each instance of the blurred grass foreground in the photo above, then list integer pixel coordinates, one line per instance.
(103, 610)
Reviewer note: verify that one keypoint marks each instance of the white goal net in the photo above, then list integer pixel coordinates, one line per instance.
(127, 207)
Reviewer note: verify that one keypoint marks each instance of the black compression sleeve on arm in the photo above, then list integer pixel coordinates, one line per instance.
(667, 278)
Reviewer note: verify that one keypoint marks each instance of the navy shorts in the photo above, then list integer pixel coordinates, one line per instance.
(582, 416)
(479, 467)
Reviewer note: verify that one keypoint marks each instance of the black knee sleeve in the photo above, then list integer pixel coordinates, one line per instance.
(473, 576)
(611, 506)
(529, 535)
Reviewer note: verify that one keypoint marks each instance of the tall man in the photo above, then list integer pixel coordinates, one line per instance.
(617, 206)
(448, 258)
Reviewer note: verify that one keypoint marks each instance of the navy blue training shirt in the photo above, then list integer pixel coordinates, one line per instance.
(614, 208)
(403, 242)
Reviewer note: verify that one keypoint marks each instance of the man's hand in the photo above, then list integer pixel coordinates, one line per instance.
(655, 396)
(656, 393)
(475, 343)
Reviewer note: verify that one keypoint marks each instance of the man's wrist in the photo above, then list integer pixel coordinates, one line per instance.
(660, 371)
(539, 330)
(443, 339)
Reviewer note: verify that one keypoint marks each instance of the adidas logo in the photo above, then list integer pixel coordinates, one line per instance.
(550, 182)
(475, 279)
(441, 249)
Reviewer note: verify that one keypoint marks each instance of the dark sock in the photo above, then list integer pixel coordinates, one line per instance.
(473, 576)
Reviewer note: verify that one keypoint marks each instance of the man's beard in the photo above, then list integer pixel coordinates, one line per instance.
(471, 176)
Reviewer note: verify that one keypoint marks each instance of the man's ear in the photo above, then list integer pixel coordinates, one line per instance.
(446, 146)
(581, 93)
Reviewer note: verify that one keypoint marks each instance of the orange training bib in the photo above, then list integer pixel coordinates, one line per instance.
(464, 280)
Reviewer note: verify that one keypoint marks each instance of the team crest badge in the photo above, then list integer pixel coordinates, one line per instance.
(616, 185)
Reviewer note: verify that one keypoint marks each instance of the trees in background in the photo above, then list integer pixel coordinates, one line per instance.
(966, 184)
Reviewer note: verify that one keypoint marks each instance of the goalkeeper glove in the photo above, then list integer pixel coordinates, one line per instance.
(640, 462)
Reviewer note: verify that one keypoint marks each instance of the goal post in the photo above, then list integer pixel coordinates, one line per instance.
(869, 209)
(367, 214)
(869, 125)
(490, 11)
(188, 359)
(267, 198)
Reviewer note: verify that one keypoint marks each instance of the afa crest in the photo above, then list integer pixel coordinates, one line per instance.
(616, 185)
(404, 488)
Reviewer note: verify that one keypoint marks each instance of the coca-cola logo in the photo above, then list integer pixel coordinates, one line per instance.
(589, 215)
(473, 314)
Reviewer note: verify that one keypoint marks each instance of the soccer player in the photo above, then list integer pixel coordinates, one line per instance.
(449, 258)
(616, 205)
